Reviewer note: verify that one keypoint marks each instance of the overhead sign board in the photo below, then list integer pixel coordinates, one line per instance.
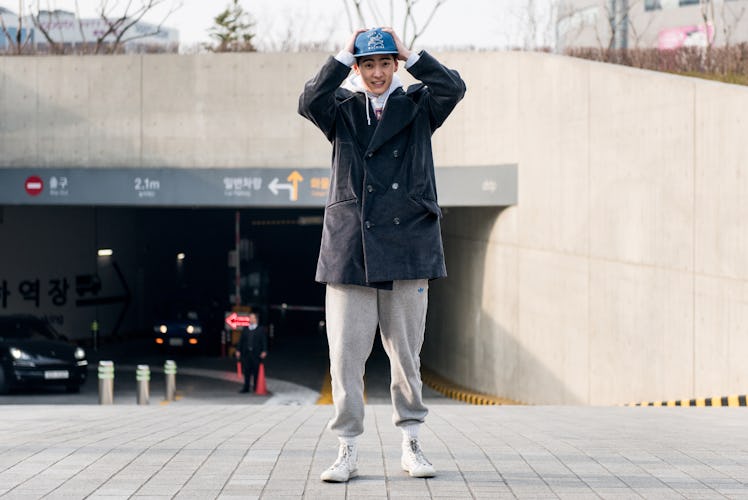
(258, 187)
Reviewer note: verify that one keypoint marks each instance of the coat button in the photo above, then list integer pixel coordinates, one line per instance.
(395, 153)
(396, 220)
(367, 224)
(395, 185)
(370, 188)
(369, 154)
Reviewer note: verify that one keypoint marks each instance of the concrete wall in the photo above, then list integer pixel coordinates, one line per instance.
(620, 275)
(227, 110)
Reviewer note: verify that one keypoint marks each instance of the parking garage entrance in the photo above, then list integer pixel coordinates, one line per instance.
(118, 247)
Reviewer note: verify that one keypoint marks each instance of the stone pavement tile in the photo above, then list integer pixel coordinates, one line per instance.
(241, 491)
(198, 494)
(325, 490)
(701, 494)
(658, 493)
(617, 494)
(105, 491)
(573, 494)
(533, 493)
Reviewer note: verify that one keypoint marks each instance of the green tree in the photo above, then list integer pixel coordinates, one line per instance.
(232, 30)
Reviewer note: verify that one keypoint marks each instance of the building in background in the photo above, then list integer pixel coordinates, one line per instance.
(664, 24)
(81, 35)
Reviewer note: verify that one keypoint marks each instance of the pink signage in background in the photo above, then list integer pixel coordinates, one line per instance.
(685, 36)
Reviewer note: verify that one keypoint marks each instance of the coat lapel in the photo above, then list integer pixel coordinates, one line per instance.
(399, 111)
(355, 115)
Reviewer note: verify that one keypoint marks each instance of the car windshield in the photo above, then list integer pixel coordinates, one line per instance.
(25, 328)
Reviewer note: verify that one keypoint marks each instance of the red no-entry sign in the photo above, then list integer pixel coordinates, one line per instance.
(34, 185)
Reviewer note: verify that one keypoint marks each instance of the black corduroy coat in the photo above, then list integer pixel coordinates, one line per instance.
(382, 217)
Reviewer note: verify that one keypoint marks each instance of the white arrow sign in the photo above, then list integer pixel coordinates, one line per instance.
(274, 186)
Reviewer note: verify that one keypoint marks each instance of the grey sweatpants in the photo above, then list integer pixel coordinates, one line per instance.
(353, 313)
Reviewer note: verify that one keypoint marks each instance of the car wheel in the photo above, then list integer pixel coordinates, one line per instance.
(73, 389)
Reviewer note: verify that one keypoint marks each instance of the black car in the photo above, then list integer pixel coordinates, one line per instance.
(32, 353)
(180, 330)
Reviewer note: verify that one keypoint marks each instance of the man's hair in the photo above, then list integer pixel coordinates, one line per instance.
(361, 59)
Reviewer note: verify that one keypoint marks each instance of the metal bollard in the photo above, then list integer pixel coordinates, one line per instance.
(143, 377)
(106, 383)
(170, 375)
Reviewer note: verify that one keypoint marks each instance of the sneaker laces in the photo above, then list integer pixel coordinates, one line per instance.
(414, 448)
(345, 457)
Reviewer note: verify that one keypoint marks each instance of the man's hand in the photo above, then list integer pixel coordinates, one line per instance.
(237, 354)
(352, 42)
(402, 51)
(263, 355)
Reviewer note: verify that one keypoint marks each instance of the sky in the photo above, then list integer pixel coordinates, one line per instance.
(482, 24)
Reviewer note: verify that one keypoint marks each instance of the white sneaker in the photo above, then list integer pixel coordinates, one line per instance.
(345, 467)
(414, 462)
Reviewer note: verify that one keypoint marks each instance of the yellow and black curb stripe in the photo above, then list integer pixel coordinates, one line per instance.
(733, 400)
(454, 391)
(325, 393)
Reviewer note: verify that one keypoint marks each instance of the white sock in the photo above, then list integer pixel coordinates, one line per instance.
(410, 431)
(348, 441)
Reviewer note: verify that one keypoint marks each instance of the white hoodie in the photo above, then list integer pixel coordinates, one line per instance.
(355, 84)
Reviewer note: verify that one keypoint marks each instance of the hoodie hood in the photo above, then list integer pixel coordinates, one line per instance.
(355, 84)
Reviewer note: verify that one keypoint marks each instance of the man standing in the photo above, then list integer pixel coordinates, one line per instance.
(381, 239)
(252, 350)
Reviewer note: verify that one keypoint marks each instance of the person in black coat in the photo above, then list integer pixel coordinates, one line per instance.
(381, 236)
(252, 350)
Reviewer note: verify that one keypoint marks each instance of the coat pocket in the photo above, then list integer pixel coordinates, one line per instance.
(431, 206)
(338, 203)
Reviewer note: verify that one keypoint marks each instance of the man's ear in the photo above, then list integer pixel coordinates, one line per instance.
(356, 68)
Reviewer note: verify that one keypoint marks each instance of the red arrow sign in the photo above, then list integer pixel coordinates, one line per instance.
(235, 320)
(34, 185)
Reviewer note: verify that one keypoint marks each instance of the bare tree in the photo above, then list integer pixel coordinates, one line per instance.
(122, 22)
(537, 24)
(17, 42)
(296, 35)
(707, 15)
(730, 17)
(369, 10)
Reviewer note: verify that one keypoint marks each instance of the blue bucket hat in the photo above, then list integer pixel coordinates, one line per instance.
(374, 41)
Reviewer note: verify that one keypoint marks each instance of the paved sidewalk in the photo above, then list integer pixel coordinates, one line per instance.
(211, 451)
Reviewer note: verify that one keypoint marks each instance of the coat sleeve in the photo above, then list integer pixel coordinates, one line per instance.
(445, 87)
(317, 101)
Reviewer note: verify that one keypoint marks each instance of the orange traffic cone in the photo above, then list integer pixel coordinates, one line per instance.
(262, 388)
(239, 368)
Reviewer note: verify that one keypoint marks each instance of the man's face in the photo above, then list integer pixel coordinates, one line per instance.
(376, 72)
(252, 319)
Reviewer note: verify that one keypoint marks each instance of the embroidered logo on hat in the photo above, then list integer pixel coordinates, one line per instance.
(374, 41)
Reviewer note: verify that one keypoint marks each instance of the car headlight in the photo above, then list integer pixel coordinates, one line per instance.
(80, 353)
(162, 329)
(194, 329)
(19, 354)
